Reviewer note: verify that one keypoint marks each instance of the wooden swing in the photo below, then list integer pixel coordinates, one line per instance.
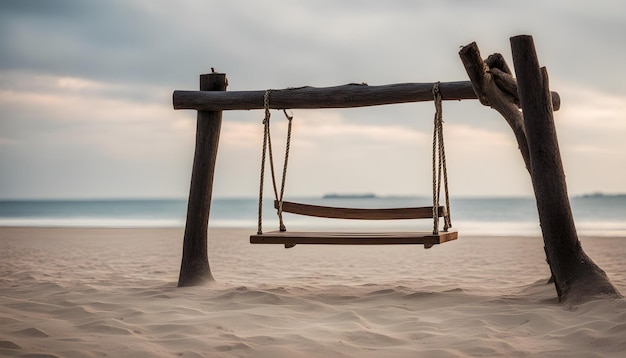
(290, 239)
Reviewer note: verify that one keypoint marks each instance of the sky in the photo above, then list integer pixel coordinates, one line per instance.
(86, 94)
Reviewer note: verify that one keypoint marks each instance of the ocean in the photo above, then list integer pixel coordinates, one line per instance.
(595, 215)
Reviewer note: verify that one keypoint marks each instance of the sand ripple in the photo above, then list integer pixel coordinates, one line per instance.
(385, 302)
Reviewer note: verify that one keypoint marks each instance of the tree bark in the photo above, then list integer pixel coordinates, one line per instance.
(194, 268)
(576, 277)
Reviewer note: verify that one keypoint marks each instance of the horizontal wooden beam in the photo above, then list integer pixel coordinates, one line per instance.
(345, 96)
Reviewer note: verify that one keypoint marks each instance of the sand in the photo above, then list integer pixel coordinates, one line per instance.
(112, 293)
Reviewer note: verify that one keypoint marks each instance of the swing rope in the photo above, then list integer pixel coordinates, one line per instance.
(440, 171)
(439, 164)
(267, 148)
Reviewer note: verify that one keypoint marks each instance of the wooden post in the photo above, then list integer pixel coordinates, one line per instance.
(577, 278)
(194, 267)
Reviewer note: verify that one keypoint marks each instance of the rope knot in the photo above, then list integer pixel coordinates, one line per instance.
(289, 116)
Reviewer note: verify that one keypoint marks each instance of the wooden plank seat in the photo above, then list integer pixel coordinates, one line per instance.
(333, 212)
(290, 239)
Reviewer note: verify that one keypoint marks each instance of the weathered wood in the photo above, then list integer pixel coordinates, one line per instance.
(346, 96)
(577, 278)
(485, 82)
(343, 238)
(332, 212)
(195, 262)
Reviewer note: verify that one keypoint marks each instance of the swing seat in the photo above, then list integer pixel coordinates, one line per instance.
(333, 212)
(290, 239)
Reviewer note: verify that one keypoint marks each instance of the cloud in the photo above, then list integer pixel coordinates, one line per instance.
(589, 108)
(591, 131)
(91, 81)
(66, 136)
(592, 120)
(33, 105)
(264, 44)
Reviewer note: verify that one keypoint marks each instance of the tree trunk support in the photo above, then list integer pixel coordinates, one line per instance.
(576, 277)
(194, 268)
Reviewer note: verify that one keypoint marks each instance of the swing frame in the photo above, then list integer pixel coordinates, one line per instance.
(492, 83)
(290, 239)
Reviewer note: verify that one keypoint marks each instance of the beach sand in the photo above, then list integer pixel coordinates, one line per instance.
(112, 293)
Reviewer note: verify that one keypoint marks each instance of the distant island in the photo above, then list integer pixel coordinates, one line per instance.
(602, 195)
(349, 196)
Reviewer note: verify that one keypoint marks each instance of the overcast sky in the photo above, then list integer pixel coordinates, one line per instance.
(86, 109)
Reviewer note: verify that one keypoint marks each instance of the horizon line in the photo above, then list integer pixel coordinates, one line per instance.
(330, 196)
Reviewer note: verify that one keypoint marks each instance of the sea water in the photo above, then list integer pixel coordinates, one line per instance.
(596, 215)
